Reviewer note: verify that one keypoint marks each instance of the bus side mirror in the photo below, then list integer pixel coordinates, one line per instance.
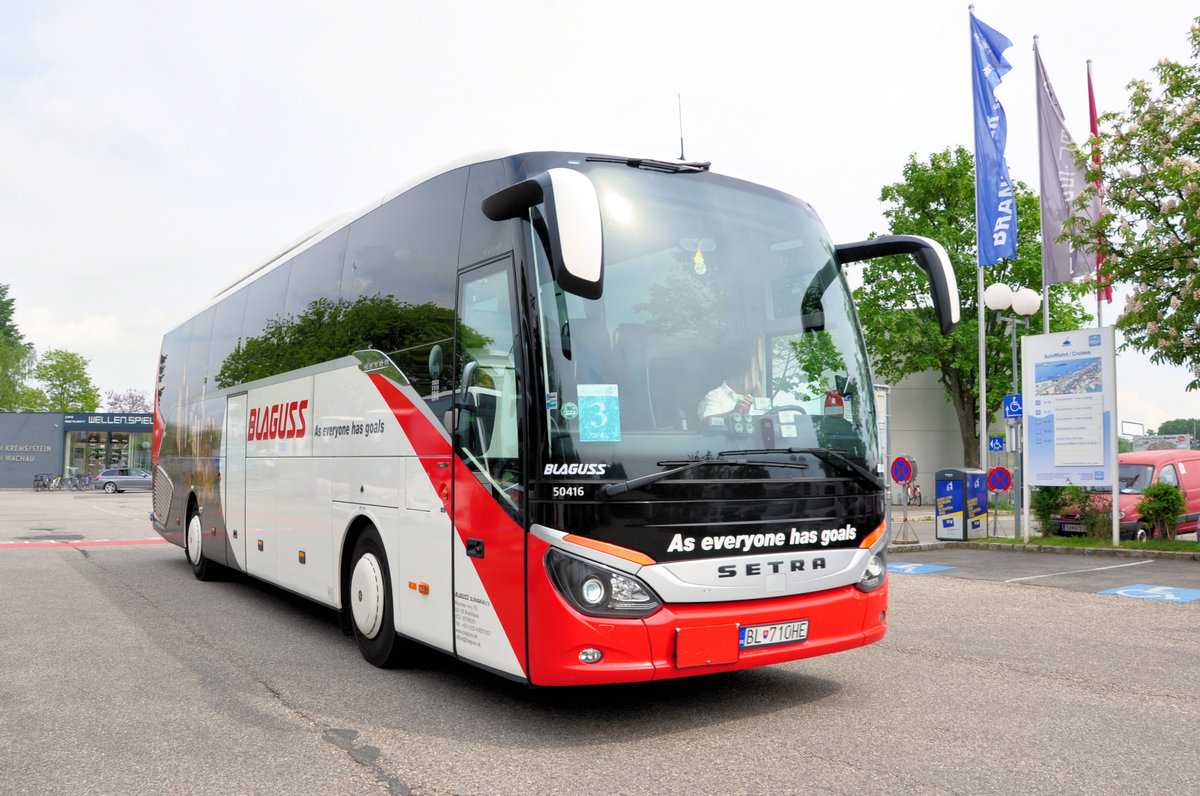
(435, 363)
(929, 256)
(464, 387)
(572, 234)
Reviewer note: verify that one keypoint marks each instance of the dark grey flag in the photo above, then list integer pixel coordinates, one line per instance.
(1061, 181)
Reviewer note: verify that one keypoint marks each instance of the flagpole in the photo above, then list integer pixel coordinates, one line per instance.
(1099, 287)
(979, 304)
(1041, 166)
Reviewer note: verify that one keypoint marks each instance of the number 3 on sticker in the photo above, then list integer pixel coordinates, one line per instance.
(600, 413)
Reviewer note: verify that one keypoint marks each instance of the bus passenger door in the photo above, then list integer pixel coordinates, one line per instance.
(488, 503)
(233, 479)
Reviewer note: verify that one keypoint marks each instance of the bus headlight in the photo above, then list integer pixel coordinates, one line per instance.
(596, 590)
(874, 575)
(593, 591)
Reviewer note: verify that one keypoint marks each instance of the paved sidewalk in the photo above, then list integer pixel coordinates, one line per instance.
(920, 533)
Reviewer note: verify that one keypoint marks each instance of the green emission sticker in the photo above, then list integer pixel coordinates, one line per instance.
(570, 411)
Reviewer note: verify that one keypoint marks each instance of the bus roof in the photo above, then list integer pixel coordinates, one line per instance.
(322, 231)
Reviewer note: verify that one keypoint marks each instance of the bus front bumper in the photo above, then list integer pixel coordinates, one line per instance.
(684, 640)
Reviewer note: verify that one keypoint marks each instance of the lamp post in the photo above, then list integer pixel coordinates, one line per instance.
(1023, 302)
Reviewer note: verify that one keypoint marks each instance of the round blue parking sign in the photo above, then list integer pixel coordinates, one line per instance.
(904, 469)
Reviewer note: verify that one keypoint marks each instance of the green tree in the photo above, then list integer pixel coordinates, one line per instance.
(8, 329)
(68, 387)
(936, 199)
(17, 359)
(328, 329)
(1181, 425)
(1150, 227)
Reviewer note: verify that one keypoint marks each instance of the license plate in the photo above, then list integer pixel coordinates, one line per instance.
(1069, 527)
(769, 635)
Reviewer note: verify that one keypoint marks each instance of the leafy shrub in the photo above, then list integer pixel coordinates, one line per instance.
(1045, 503)
(1160, 506)
(1095, 511)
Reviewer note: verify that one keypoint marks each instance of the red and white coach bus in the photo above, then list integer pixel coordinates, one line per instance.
(559, 415)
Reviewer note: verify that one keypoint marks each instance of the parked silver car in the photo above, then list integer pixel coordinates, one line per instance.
(118, 479)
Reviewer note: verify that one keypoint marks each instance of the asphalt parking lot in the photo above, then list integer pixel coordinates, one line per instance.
(1135, 574)
(1169, 579)
(1001, 672)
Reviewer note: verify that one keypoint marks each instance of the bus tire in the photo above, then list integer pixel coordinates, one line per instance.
(370, 602)
(201, 567)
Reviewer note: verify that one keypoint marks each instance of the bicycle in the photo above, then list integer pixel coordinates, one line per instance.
(914, 494)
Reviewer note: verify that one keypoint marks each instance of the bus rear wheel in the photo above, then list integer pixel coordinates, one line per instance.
(370, 598)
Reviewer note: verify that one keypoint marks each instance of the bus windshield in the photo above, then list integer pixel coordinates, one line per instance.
(725, 329)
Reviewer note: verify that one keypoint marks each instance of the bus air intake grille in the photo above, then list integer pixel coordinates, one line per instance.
(163, 489)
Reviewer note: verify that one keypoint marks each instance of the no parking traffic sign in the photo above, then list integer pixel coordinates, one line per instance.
(904, 469)
(999, 479)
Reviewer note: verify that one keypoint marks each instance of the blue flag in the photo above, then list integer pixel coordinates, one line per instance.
(995, 205)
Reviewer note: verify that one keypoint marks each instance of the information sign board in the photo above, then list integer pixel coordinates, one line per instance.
(1068, 384)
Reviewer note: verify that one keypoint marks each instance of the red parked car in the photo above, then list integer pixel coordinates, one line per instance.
(1139, 470)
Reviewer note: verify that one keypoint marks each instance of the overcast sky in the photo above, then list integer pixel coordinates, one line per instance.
(152, 152)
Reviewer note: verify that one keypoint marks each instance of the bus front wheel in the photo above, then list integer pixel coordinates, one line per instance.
(201, 567)
(370, 597)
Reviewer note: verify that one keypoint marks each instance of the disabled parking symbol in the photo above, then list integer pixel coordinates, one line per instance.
(1170, 594)
(915, 569)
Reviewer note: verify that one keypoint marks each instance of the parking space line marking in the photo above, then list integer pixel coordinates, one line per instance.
(96, 543)
(1079, 571)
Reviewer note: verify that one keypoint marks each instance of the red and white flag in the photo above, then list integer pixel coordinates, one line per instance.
(1104, 282)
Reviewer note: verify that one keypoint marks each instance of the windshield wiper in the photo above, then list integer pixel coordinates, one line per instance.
(608, 490)
(824, 454)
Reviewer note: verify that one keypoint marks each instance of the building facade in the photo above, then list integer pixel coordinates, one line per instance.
(924, 427)
(80, 443)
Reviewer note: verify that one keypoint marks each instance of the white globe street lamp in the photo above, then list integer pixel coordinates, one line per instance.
(998, 296)
(1023, 302)
(1026, 302)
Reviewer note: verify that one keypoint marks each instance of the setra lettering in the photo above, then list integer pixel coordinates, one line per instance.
(774, 567)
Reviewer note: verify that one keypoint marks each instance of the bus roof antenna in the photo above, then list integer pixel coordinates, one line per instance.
(679, 102)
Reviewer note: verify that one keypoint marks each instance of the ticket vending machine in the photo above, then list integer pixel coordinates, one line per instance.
(961, 504)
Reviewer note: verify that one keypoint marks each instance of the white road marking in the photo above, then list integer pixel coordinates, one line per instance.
(1078, 571)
